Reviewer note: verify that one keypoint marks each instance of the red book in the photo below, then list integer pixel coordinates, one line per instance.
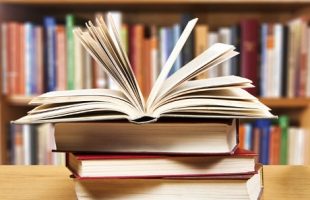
(136, 50)
(137, 166)
(21, 71)
(249, 52)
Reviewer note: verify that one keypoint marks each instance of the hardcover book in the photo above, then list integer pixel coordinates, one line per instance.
(163, 137)
(152, 166)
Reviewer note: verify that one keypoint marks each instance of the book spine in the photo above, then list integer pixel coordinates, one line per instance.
(4, 56)
(78, 61)
(264, 129)
(279, 50)
(50, 25)
(235, 40)
(263, 68)
(249, 52)
(284, 125)
(201, 43)
(284, 57)
(70, 52)
(18, 145)
(176, 35)
(188, 49)
(39, 59)
(248, 144)
(61, 58)
(33, 66)
(301, 90)
(154, 54)
(28, 57)
(274, 145)
(22, 88)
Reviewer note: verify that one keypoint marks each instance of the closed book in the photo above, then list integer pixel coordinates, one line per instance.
(152, 166)
(241, 186)
(249, 51)
(187, 136)
(50, 55)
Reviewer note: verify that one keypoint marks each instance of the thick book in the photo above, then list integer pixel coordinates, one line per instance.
(152, 166)
(173, 96)
(183, 136)
(241, 186)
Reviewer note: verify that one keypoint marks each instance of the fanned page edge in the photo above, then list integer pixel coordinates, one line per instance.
(170, 61)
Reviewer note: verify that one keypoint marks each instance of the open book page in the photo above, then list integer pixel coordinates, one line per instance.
(100, 45)
(170, 61)
(194, 86)
(213, 56)
(103, 109)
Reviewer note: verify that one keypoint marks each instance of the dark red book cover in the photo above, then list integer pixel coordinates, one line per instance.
(80, 156)
(249, 52)
(85, 156)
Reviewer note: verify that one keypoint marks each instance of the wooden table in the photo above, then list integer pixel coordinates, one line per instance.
(50, 182)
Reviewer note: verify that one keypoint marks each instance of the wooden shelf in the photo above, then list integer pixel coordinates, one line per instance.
(286, 102)
(19, 100)
(53, 182)
(152, 2)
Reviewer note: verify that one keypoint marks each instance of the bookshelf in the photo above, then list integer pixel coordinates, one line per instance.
(216, 13)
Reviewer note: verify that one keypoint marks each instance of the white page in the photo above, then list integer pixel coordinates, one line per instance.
(171, 59)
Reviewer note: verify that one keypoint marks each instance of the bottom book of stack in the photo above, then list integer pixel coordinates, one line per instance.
(214, 176)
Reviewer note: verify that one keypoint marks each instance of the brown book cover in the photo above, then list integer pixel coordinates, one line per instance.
(274, 145)
(146, 63)
(39, 59)
(61, 58)
(136, 50)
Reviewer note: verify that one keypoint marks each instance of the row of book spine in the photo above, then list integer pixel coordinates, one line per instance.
(276, 142)
(33, 145)
(41, 58)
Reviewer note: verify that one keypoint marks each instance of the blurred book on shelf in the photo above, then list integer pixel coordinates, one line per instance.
(37, 58)
(276, 142)
(33, 145)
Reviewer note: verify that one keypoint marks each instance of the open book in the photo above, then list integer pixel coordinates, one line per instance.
(174, 96)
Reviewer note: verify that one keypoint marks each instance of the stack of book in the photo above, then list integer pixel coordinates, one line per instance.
(180, 143)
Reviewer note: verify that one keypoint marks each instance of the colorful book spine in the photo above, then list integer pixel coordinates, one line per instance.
(28, 58)
(50, 38)
(284, 125)
(70, 51)
(249, 51)
(264, 128)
